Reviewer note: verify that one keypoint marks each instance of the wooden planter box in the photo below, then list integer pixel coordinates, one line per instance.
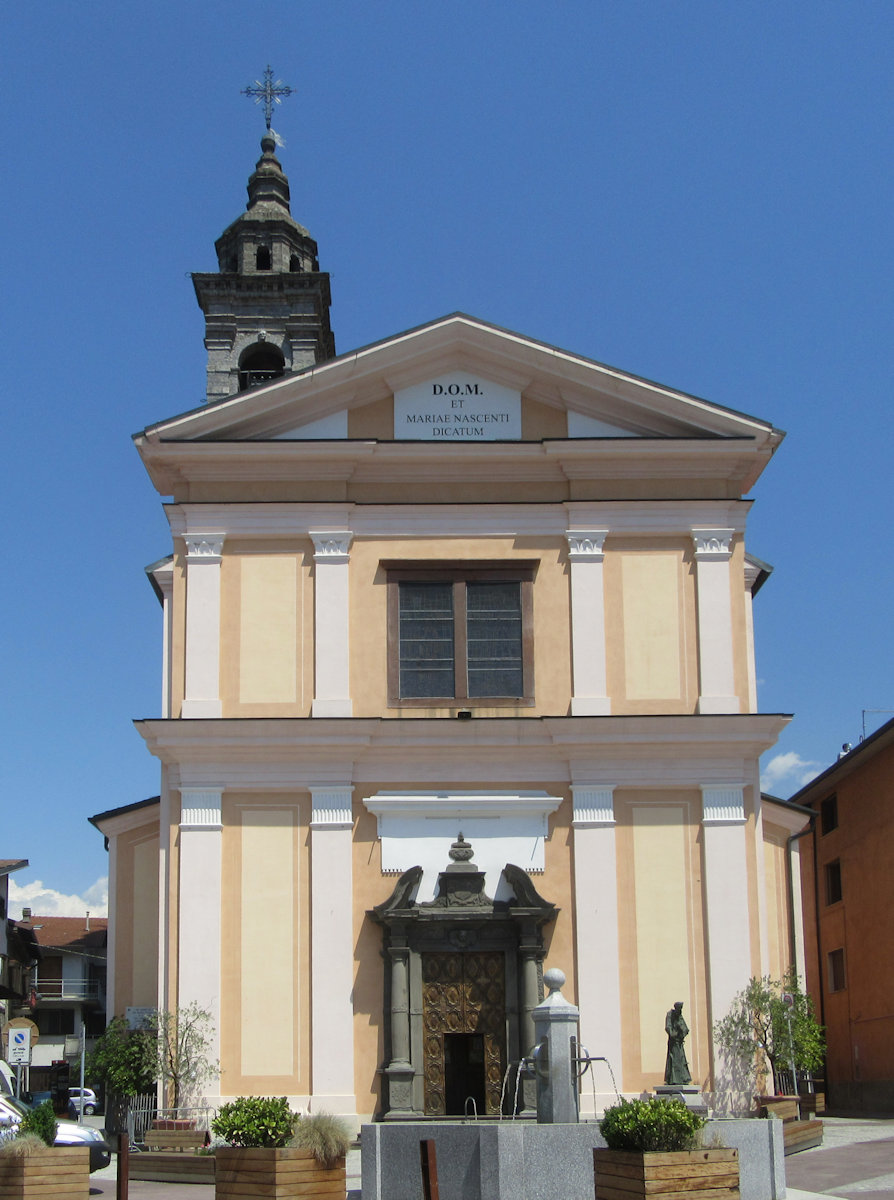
(63, 1173)
(172, 1167)
(705, 1174)
(275, 1175)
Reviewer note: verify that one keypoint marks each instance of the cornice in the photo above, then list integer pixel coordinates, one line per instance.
(578, 519)
(593, 751)
(173, 465)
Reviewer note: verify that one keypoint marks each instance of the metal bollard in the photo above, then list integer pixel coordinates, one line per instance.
(123, 1166)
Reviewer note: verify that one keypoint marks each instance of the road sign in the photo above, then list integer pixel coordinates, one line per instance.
(19, 1047)
(21, 1023)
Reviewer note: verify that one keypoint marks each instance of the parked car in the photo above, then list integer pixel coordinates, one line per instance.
(84, 1101)
(68, 1133)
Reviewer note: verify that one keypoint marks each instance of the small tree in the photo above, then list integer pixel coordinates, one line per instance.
(124, 1059)
(184, 1039)
(760, 1025)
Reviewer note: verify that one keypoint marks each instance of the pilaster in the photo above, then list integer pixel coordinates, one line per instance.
(596, 928)
(199, 932)
(725, 894)
(332, 678)
(585, 554)
(202, 673)
(332, 951)
(715, 621)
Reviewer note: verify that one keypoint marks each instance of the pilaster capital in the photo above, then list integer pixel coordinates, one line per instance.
(586, 545)
(592, 806)
(331, 807)
(204, 547)
(200, 809)
(331, 545)
(723, 805)
(712, 545)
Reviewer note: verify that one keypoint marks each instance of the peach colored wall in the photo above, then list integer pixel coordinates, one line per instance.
(372, 421)
(660, 922)
(267, 628)
(372, 887)
(776, 892)
(626, 614)
(136, 950)
(265, 984)
(651, 626)
(369, 624)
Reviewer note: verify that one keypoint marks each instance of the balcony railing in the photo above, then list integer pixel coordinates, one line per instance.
(84, 991)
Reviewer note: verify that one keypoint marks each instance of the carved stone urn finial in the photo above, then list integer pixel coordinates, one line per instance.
(461, 850)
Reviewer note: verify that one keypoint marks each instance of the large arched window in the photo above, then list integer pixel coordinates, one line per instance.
(259, 364)
(262, 258)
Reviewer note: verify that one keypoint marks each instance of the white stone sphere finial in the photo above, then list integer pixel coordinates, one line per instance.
(554, 979)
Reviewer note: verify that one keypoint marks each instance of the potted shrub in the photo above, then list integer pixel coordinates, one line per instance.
(272, 1151)
(652, 1147)
(32, 1168)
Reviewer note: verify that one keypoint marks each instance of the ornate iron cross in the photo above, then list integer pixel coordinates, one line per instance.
(268, 92)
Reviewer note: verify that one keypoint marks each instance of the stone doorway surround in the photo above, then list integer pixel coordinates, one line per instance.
(462, 920)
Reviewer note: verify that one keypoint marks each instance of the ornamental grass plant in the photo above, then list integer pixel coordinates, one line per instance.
(25, 1145)
(654, 1124)
(326, 1136)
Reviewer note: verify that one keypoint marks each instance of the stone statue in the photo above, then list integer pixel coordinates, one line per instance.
(676, 1068)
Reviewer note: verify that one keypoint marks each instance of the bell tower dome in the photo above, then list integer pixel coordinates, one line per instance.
(267, 308)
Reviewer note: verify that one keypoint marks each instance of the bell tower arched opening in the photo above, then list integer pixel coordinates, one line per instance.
(259, 364)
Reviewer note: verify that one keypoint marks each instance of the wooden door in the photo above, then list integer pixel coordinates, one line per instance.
(463, 993)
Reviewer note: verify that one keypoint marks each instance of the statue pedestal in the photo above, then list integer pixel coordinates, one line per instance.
(689, 1093)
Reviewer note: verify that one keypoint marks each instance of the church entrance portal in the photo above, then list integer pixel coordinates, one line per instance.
(464, 1023)
(463, 975)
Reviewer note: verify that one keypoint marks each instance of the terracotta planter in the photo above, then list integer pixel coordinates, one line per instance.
(275, 1175)
(62, 1173)
(711, 1174)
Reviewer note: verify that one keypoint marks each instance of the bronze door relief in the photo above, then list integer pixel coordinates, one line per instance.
(463, 1021)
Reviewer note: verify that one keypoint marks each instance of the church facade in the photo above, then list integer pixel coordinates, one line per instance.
(459, 684)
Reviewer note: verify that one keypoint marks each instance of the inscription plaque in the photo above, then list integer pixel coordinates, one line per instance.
(457, 407)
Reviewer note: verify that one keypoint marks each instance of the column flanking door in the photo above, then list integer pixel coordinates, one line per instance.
(464, 1032)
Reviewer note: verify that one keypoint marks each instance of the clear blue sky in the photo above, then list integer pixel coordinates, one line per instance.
(697, 192)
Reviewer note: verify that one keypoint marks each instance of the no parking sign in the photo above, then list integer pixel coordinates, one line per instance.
(20, 1035)
(19, 1047)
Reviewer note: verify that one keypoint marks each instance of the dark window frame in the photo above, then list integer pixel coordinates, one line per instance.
(833, 882)
(837, 970)
(829, 814)
(459, 574)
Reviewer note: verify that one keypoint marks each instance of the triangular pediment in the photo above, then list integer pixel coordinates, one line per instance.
(458, 401)
(482, 371)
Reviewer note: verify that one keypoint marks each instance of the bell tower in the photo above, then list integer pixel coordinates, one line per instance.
(267, 307)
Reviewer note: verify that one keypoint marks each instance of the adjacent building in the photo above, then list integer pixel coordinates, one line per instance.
(67, 997)
(18, 955)
(458, 681)
(847, 880)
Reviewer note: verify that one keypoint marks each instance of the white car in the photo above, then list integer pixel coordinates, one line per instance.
(84, 1100)
(68, 1133)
